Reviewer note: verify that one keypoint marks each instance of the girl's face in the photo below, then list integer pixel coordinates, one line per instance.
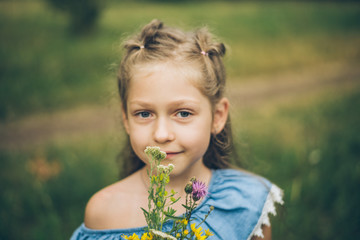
(165, 109)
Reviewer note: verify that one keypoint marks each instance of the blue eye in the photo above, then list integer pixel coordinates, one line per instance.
(143, 114)
(183, 114)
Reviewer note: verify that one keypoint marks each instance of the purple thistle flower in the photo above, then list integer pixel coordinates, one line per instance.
(199, 190)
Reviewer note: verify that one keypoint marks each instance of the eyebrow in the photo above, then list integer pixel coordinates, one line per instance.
(144, 104)
(177, 103)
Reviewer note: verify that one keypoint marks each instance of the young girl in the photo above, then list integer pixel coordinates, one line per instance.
(171, 85)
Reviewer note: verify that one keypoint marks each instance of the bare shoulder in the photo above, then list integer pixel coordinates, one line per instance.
(98, 207)
(111, 206)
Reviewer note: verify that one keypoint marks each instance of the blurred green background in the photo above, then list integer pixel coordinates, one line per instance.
(293, 83)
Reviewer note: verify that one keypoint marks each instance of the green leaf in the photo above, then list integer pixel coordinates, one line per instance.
(170, 211)
(174, 217)
(187, 207)
(151, 194)
(175, 200)
(146, 213)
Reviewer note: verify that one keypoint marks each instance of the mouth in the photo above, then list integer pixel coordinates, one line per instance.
(170, 155)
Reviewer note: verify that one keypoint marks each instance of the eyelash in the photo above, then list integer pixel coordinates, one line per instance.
(148, 114)
(140, 114)
(188, 114)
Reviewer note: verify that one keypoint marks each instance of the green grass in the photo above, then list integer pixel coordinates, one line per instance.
(44, 68)
(45, 190)
(312, 151)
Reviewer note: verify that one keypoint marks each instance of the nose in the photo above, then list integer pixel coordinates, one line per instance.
(163, 131)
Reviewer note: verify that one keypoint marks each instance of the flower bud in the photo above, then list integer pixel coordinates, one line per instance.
(171, 167)
(195, 198)
(162, 155)
(188, 188)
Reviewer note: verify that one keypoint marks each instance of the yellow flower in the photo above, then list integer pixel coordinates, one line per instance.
(152, 179)
(199, 237)
(208, 233)
(178, 235)
(193, 228)
(186, 232)
(198, 232)
(133, 237)
(184, 221)
(146, 236)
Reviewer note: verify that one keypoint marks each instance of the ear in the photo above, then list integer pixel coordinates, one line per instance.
(221, 112)
(125, 120)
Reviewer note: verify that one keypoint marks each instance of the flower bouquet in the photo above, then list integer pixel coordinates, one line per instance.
(160, 201)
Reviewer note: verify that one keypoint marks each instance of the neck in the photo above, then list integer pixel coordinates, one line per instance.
(198, 170)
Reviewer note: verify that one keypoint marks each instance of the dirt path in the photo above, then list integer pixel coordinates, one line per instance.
(254, 92)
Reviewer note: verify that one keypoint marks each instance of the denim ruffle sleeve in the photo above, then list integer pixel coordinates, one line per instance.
(84, 233)
(242, 202)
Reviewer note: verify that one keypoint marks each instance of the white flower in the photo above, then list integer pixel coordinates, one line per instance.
(166, 169)
(151, 150)
(171, 167)
(161, 168)
(155, 153)
(162, 234)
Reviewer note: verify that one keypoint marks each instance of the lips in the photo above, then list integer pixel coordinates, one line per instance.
(170, 155)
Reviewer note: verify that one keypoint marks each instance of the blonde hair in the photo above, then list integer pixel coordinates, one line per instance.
(158, 43)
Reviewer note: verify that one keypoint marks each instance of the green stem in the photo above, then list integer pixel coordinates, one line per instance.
(204, 218)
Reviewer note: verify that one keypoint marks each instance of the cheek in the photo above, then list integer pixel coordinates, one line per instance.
(197, 137)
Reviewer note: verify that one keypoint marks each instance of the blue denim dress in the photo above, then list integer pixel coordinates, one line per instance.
(241, 200)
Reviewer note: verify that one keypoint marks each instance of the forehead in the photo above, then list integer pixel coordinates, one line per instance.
(172, 70)
(165, 83)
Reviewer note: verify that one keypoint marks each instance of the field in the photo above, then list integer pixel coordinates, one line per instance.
(293, 77)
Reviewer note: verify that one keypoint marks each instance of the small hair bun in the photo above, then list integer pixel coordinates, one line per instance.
(205, 40)
(150, 30)
(221, 49)
(156, 24)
